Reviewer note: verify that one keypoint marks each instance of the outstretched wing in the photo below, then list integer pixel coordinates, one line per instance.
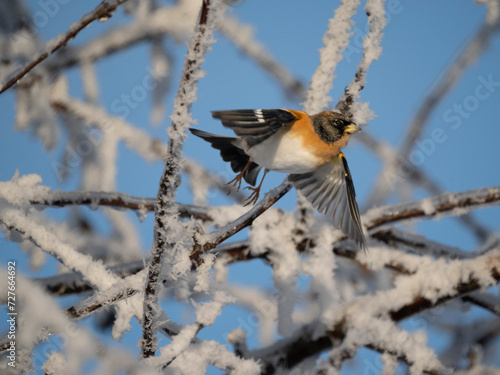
(255, 125)
(331, 191)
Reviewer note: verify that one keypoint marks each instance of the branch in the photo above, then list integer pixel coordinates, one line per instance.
(72, 283)
(336, 39)
(166, 225)
(95, 273)
(210, 241)
(372, 50)
(446, 204)
(305, 342)
(115, 200)
(102, 11)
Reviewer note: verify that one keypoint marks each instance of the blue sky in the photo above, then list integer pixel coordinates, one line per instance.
(421, 39)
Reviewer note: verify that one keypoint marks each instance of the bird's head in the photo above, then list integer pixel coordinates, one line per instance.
(331, 126)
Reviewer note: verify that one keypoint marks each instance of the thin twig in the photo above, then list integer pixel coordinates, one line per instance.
(103, 11)
(211, 240)
(115, 200)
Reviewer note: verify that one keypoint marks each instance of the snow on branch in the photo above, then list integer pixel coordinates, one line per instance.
(430, 287)
(210, 241)
(336, 39)
(17, 221)
(168, 230)
(102, 12)
(372, 50)
(436, 207)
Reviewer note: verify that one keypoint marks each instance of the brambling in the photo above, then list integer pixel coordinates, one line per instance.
(290, 141)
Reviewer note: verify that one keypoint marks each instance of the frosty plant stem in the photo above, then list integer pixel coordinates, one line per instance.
(166, 222)
(101, 12)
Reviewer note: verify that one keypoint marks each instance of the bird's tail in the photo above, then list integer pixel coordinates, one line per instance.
(231, 153)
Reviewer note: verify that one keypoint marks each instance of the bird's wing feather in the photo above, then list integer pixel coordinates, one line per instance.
(255, 125)
(331, 191)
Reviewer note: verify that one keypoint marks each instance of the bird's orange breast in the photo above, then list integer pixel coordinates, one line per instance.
(303, 129)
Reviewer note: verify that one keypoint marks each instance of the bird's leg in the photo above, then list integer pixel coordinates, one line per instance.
(237, 180)
(254, 197)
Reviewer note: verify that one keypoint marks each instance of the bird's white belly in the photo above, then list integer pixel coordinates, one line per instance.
(284, 154)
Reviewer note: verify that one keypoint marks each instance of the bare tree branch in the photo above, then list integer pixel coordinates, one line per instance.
(103, 11)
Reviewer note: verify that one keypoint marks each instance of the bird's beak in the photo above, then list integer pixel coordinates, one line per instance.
(352, 128)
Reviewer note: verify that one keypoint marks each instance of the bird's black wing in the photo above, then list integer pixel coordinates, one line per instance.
(331, 191)
(255, 125)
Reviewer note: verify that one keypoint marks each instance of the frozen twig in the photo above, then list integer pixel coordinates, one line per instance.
(175, 21)
(372, 50)
(336, 40)
(211, 240)
(166, 224)
(103, 11)
(72, 283)
(486, 301)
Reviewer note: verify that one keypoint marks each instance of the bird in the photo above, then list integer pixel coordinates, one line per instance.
(306, 147)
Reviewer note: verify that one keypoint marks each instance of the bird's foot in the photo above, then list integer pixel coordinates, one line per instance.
(236, 182)
(254, 197)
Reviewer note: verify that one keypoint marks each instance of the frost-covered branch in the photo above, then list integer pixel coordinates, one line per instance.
(462, 277)
(210, 241)
(167, 227)
(72, 283)
(175, 21)
(372, 50)
(446, 204)
(95, 273)
(102, 12)
(336, 40)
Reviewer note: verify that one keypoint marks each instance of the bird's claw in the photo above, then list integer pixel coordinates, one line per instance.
(235, 181)
(254, 197)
